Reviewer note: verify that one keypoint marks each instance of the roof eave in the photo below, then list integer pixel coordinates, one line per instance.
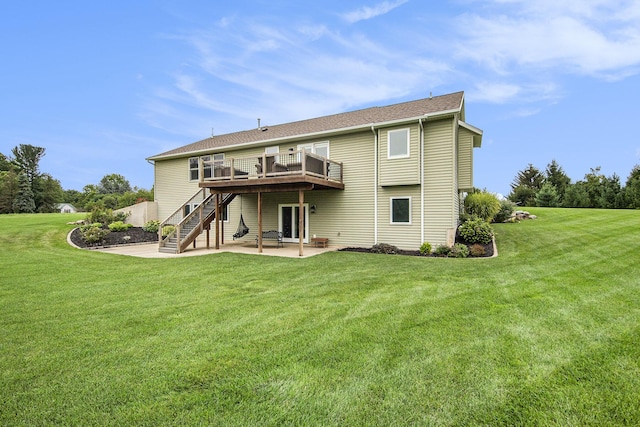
(305, 136)
(477, 138)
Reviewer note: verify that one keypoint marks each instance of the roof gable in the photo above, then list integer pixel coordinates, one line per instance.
(327, 124)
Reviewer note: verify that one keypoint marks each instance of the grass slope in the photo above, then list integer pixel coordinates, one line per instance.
(548, 333)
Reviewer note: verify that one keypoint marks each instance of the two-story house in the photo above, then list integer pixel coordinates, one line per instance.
(393, 174)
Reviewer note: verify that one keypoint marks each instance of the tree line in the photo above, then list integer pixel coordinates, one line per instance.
(24, 189)
(554, 188)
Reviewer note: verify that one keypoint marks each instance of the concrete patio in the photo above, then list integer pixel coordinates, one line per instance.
(290, 250)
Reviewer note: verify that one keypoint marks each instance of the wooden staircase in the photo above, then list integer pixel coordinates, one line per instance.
(188, 227)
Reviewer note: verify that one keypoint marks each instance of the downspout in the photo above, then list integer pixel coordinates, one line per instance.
(421, 181)
(375, 185)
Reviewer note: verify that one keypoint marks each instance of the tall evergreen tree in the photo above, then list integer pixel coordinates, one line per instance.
(24, 202)
(555, 175)
(526, 185)
(27, 160)
(530, 177)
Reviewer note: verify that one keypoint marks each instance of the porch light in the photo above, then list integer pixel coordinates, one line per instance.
(313, 209)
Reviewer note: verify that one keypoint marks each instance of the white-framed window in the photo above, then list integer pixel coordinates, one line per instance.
(398, 143)
(400, 210)
(273, 150)
(318, 148)
(194, 167)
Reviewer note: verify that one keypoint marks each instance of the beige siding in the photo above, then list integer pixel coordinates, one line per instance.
(465, 159)
(439, 182)
(405, 236)
(172, 187)
(347, 217)
(404, 171)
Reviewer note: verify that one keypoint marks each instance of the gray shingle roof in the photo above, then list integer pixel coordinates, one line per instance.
(349, 120)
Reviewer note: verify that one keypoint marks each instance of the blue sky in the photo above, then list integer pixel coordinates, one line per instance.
(103, 85)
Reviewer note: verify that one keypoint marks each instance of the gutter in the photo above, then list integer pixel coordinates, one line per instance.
(375, 185)
(421, 180)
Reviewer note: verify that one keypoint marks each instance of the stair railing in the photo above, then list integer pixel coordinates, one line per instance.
(177, 217)
(179, 220)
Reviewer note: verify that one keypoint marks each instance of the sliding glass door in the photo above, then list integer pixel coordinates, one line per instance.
(288, 223)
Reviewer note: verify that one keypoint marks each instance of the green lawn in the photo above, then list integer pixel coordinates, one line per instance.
(546, 334)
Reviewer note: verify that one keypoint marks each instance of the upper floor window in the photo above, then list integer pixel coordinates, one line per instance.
(194, 167)
(319, 148)
(398, 143)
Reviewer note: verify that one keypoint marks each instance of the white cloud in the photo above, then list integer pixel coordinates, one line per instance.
(587, 38)
(367, 12)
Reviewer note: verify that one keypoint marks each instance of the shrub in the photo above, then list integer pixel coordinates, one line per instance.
(507, 207)
(476, 231)
(384, 248)
(121, 216)
(119, 226)
(93, 233)
(101, 215)
(484, 205)
(151, 226)
(442, 250)
(425, 248)
(477, 250)
(459, 250)
(168, 229)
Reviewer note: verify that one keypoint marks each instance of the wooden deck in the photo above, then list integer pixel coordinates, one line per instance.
(290, 171)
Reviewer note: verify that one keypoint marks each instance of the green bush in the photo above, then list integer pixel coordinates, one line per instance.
(425, 248)
(459, 250)
(93, 233)
(119, 226)
(121, 216)
(442, 250)
(484, 205)
(151, 226)
(507, 207)
(101, 215)
(476, 231)
(168, 229)
(477, 250)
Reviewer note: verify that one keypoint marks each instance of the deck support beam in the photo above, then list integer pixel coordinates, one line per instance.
(301, 221)
(259, 223)
(218, 196)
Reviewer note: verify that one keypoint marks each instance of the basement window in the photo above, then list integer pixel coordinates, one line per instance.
(401, 210)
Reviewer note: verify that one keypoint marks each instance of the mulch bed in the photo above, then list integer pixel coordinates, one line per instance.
(116, 238)
(488, 251)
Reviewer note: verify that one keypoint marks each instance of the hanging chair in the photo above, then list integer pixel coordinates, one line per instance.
(242, 227)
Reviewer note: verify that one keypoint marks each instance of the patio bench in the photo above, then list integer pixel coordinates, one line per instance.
(272, 235)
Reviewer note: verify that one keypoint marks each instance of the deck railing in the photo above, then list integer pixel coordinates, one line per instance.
(289, 163)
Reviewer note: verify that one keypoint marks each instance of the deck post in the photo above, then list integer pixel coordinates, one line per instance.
(259, 222)
(301, 221)
(207, 229)
(217, 220)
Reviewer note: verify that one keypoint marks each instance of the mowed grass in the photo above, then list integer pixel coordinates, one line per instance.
(546, 334)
